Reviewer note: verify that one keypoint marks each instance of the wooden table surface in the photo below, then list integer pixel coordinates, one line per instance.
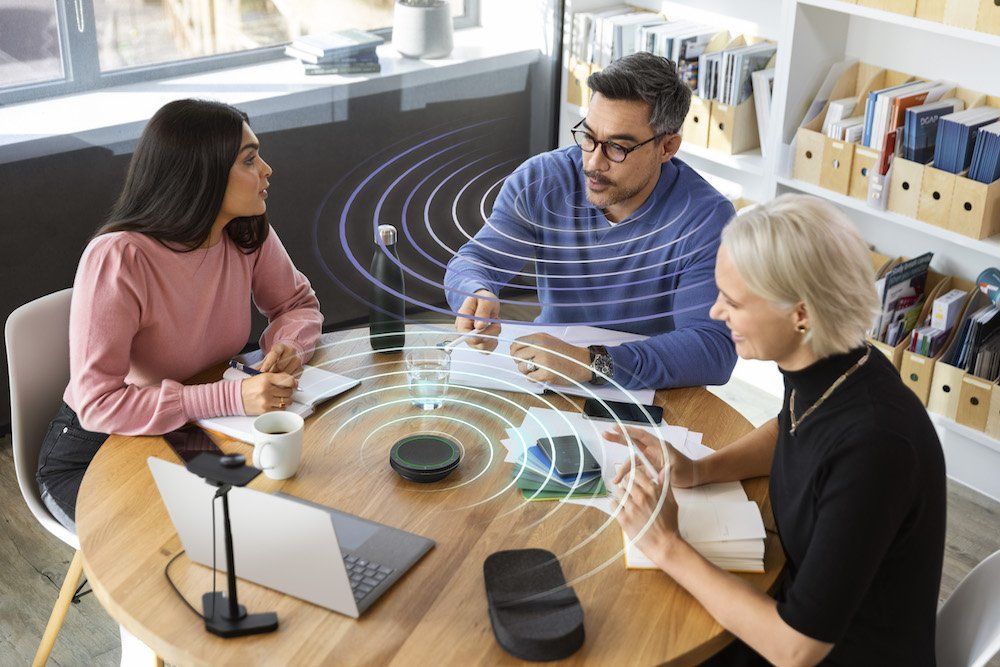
(437, 611)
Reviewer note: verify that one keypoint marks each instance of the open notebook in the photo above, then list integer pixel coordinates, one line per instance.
(497, 370)
(718, 520)
(315, 386)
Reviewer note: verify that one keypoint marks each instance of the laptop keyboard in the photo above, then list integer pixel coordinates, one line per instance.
(365, 575)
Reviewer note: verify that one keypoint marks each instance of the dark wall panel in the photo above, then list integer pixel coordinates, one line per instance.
(378, 157)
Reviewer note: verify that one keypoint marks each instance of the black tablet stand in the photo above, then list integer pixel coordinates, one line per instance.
(225, 616)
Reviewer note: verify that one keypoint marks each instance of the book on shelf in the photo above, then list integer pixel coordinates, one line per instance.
(367, 56)
(341, 42)
(356, 68)
(921, 128)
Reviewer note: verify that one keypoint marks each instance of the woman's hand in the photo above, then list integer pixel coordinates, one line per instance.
(267, 391)
(684, 472)
(653, 531)
(282, 358)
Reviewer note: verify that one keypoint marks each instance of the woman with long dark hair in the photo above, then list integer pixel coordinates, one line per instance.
(162, 292)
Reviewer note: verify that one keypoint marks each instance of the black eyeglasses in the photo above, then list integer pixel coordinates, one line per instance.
(612, 151)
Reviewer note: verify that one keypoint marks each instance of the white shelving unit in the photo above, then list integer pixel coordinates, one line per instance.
(812, 35)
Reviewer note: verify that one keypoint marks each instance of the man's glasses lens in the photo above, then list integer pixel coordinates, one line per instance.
(587, 143)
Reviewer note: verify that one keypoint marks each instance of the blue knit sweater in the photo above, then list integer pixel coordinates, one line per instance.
(652, 274)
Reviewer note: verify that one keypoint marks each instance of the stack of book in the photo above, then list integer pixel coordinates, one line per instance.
(342, 52)
(535, 476)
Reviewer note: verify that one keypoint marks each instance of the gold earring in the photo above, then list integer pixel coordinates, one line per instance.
(801, 328)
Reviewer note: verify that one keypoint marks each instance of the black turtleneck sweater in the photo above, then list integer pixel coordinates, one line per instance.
(859, 497)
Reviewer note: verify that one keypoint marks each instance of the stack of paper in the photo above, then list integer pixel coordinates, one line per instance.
(498, 370)
(985, 166)
(956, 137)
(535, 475)
(718, 520)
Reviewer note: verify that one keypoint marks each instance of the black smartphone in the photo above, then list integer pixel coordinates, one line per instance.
(626, 412)
(190, 441)
(565, 451)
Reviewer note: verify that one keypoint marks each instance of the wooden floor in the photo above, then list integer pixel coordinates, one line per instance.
(33, 564)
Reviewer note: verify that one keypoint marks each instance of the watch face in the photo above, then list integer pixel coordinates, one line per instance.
(601, 366)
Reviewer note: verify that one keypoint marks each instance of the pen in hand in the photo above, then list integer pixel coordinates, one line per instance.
(246, 368)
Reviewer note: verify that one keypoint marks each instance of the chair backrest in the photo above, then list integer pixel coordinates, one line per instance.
(37, 336)
(968, 623)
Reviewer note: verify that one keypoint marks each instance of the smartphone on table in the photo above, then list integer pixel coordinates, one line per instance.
(190, 441)
(626, 412)
(567, 454)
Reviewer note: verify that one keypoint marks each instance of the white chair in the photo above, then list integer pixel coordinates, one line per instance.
(968, 623)
(37, 336)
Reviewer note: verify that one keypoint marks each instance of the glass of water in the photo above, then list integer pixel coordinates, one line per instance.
(427, 370)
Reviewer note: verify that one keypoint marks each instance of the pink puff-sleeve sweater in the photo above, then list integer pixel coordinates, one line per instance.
(144, 317)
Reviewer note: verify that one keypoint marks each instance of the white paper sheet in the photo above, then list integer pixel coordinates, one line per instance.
(497, 370)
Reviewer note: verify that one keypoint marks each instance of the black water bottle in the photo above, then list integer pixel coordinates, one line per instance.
(386, 312)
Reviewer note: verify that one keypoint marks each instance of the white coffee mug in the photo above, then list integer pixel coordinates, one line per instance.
(278, 443)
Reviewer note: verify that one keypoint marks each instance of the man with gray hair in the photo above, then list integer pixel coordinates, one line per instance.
(623, 236)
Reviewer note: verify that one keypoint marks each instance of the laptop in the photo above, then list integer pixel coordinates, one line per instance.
(309, 551)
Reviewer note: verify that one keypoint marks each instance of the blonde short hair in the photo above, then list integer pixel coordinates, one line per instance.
(798, 248)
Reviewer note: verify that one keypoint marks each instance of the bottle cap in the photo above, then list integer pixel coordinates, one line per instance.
(386, 235)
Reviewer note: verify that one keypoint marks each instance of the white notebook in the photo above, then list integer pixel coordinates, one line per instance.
(315, 386)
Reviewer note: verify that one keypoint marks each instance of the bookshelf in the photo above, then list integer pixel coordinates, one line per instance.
(812, 35)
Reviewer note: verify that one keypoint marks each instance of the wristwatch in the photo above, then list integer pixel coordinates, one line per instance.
(601, 366)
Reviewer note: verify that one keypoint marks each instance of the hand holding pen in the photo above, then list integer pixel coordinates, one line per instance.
(264, 391)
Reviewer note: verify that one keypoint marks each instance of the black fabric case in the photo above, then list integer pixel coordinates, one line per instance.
(534, 614)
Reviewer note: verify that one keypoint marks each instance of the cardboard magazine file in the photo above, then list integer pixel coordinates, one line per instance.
(930, 10)
(936, 189)
(907, 7)
(979, 15)
(946, 382)
(699, 116)
(993, 421)
(904, 187)
(577, 92)
(895, 352)
(839, 170)
(907, 179)
(695, 128)
(974, 402)
(917, 369)
(865, 159)
(733, 129)
(975, 208)
(810, 142)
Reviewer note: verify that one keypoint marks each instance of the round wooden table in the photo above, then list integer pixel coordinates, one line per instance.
(437, 611)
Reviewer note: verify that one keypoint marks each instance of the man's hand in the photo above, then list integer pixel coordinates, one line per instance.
(282, 358)
(543, 358)
(480, 313)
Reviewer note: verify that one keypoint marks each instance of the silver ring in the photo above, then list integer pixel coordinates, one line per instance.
(529, 367)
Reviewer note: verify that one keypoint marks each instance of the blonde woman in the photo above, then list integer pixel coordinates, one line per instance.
(857, 480)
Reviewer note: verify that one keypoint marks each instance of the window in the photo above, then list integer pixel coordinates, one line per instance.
(50, 47)
(30, 51)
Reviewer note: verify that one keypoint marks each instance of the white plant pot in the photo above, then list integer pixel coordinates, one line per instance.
(422, 32)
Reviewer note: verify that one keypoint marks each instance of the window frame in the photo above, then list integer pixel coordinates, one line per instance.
(82, 68)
